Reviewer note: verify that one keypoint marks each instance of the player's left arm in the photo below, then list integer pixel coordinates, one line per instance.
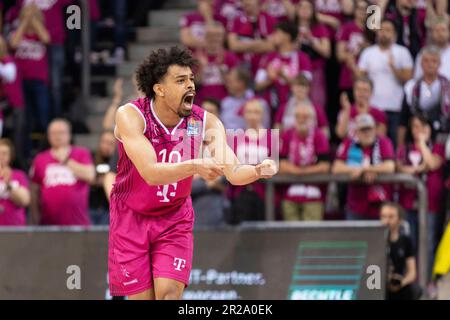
(235, 172)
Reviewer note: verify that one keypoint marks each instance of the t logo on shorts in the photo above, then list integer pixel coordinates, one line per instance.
(179, 263)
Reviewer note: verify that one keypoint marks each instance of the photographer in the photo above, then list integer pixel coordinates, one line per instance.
(402, 262)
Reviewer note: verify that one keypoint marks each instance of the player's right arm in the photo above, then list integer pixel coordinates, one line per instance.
(129, 129)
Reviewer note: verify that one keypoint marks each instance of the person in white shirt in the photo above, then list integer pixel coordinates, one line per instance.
(440, 33)
(389, 66)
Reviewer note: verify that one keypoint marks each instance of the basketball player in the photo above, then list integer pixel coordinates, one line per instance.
(161, 140)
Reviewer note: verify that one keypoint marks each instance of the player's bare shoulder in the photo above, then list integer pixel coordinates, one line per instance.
(128, 120)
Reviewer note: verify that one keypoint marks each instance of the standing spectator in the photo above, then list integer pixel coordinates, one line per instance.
(429, 96)
(409, 25)
(278, 69)
(440, 37)
(193, 25)
(250, 147)
(365, 157)
(229, 9)
(402, 272)
(11, 91)
(60, 180)
(330, 13)
(14, 193)
(304, 151)
(54, 19)
(250, 34)
(98, 202)
(285, 116)
(351, 41)
(389, 66)
(421, 157)
(314, 40)
(30, 43)
(238, 83)
(280, 9)
(215, 63)
(346, 120)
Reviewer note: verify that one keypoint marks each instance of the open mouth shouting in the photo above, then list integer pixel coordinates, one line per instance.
(188, 100)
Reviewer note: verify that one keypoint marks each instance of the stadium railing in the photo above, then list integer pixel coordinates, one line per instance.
(388, 179)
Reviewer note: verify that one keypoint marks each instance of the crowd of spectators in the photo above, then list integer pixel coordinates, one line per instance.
(347, 98)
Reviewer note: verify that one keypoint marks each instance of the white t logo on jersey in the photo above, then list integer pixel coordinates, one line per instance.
(179, 264)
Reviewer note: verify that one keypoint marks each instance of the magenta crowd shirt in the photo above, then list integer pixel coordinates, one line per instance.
(10, 213)
(213, 85)
(32, 58)
(319, 31)
(358, 193)
(353, 36)
(54, 15)
(63, 197)
(248, 29)
(290, 65)
(378, 115)
(304, 151)
(434, 179)
(13, 90)
(197, 24)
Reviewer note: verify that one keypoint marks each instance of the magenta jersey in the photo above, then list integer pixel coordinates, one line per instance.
(181, 143)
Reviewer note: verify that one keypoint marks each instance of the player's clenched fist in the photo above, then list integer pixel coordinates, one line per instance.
(266, 169)
(208, 168)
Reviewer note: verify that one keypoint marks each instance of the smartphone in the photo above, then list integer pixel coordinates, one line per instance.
(103, 168)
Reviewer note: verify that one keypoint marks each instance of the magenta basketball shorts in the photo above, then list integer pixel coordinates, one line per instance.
(142, 248)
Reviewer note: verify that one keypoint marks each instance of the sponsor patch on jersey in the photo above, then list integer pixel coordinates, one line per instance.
(193, 127)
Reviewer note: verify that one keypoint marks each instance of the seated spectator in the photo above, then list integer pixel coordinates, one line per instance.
(428, 96)
(401, 260)
(278, 69)
(364, 157)
(351, 40)
(409, 25)
(285, 116)
(30, 44)
(346, 120)
(98, 202)
(304, 151)
(251, 146)
(389, 66)
(193, 25)
(11, 91)
(60, 180)
(250, 32)
(238, 83)
(440, 38)
(211, 105)
(14, 192)
(314, 40)
(215, 62)
(425, 159)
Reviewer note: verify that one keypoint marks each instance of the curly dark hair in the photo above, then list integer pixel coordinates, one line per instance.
(155, 67)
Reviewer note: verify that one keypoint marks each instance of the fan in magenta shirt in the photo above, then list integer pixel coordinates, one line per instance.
(346, 122)
(193, 25)
(350, 42)
(14, 193)
(411, 160)
(249, 34)
(305, 150)
(54, 16)
(215, 63)
(278, 69)
(285, 115)
(314, 40)
(62, 175)
(364, 157)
